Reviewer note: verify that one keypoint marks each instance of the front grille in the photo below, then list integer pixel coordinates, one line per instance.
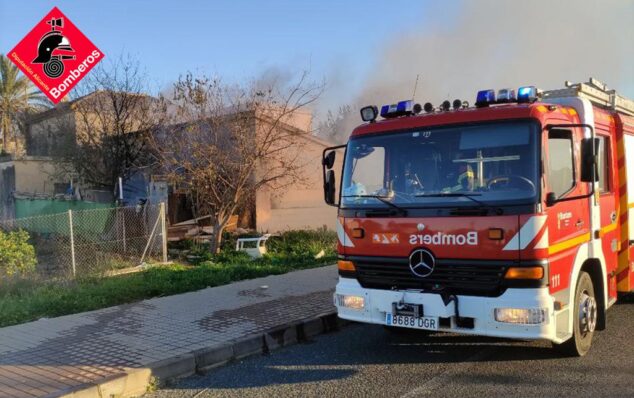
(453, 276)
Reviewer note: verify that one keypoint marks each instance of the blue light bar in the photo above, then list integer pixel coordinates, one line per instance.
(400, 109)
(405, 106)
(527, 94)
(506, 95)
(485, 97)
(385, 110)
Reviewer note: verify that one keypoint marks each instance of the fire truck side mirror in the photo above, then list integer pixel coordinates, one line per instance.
(551, 199)
(589, 150)
(329, 188)
(329, 159)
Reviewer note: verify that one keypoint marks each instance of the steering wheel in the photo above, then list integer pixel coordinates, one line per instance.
(512, 177)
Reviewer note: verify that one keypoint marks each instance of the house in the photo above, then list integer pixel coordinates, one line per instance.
(299, 204)
(54, 131)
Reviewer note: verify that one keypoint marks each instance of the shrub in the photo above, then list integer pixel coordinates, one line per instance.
(17, 256)
(303, 243)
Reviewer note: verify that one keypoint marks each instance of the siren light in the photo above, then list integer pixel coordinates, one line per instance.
(484, 98)
(527, 94)
(401, 108)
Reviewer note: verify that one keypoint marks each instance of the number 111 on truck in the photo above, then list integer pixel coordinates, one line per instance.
(512, 218)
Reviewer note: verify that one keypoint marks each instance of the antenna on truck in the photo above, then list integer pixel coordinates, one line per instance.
(596, 92)
(415, 86)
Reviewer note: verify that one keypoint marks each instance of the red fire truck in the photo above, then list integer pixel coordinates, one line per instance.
(511, 218)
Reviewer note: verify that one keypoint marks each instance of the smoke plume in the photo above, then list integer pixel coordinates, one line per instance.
(495, 44)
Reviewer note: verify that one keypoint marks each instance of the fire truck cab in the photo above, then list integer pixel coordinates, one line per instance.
(509, 219)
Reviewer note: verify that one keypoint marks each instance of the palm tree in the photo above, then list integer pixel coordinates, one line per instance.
(18, 97)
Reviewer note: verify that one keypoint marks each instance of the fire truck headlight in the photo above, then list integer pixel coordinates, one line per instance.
(523, 316)
(352, 302)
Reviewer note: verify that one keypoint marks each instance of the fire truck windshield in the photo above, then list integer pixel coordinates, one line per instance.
(444, 166)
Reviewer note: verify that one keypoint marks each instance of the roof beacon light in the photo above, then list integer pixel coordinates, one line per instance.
(394, 110)
(527, 94)
(485, 98)
(506, 95)
(369, 113)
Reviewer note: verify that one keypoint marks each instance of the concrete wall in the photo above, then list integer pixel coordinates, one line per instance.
(301, 204)
(51, 135)
(35, 176)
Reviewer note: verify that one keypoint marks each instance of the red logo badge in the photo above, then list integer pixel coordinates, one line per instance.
(55, 55)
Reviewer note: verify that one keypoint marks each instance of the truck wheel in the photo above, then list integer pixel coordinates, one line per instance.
(584, 319)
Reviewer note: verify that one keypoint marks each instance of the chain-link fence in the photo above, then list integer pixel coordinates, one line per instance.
(95, 242)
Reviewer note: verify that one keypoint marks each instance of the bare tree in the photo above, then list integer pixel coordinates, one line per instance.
(334, 127)
(111, 117)
(231, 141)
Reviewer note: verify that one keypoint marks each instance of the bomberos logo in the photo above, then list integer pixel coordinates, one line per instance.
(55, 55)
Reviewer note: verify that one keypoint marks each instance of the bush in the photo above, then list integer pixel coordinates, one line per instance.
(296, 245)
(17, 256)
(303, 243)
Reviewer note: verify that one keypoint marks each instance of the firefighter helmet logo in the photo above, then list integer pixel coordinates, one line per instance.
(421, 263)
(55, 55)
(52, 48)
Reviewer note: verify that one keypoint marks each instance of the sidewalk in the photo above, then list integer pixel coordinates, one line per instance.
(118, 350)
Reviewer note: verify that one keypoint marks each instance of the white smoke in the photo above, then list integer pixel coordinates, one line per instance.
(495, 44)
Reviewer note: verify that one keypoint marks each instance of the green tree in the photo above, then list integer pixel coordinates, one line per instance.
(18, 97)
(17, 255)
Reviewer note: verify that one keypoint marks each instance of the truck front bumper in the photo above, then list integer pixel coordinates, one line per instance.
(376, 303)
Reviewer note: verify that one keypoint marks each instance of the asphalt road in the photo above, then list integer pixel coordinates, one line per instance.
(367, 361)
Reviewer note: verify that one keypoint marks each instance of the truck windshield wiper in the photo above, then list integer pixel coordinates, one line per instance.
(383, 199)
(469, 196)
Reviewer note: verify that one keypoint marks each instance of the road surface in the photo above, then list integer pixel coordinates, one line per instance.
(367, 361)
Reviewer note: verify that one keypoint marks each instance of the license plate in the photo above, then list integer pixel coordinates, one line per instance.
(407, 321)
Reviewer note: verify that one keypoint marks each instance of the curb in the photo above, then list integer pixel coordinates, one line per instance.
(136, 381)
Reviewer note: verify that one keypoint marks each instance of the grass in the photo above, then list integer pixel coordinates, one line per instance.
(24, 300)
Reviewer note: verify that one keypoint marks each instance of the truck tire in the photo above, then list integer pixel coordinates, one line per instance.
(584, 318)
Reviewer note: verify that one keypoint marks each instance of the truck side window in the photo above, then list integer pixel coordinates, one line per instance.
(561, 176)
(604, 170)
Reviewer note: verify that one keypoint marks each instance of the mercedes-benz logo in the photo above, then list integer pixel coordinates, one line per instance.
(421, 262)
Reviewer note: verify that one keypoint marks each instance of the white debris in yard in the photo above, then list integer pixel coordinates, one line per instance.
(254, 252)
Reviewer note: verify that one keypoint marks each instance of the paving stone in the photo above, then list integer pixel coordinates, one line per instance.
(86, 349)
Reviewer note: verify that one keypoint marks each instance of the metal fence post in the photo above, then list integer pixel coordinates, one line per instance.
(122, 220)
(163, 232)
(72, 241)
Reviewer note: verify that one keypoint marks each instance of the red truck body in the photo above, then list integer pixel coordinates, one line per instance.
(507, 268)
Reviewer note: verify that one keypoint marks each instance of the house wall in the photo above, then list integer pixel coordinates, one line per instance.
(35, 176)
(301, 204)
(51, 135)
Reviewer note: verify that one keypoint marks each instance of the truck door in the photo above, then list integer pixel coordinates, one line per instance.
(608, 207)
(568, 218)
